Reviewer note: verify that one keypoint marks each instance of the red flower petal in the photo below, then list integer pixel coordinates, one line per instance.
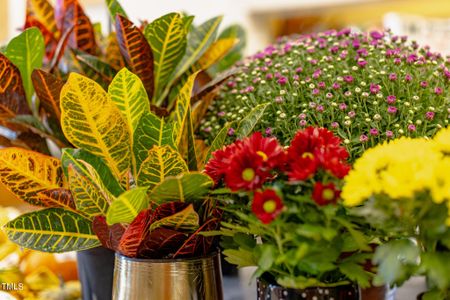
(266, 205)
(324, 194)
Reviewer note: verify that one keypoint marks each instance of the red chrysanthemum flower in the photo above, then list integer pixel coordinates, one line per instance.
(246, 171)
(272, 154)
(324, 194)
(218, 165)
(266, 205)
(314, 148)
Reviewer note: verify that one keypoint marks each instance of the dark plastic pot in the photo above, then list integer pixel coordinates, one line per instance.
(267, 290)
(95, 270)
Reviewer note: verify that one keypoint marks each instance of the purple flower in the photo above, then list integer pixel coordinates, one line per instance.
(315, 91)
(408, 77)
(299, 70)
(391, 99)
(374, 88)
(296, 77)
(334, 49)
(278, 99)
(348, 78)
(231, 84)
(302, 116)
(429, 115)
(231, 131)
(392, 76)
(347, 93)
(207, 129)
(336, 85)
(321, 85)
(389, 134)
(342, 106)
(411, 127)
(312, 104)
(392, 109)
(282, 80)
(334, 124)
(373, 131)
(362, 52)
(438, 90)
(363, 138)
(302, 123)
(313, 61)
(397, 61)
(343, 54)
(411, 58)
(376, 35)
(351, 114)
(221, 114)
(355, 43)
(423, 84)
(317, 73)
(264, 69)
(278, 75)
(269, 76)
(320, 108)
(249, 89)
(329, 95)
(362, 63)
(268, 131)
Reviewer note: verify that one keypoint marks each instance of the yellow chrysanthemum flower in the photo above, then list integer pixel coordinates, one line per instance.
(442, 140)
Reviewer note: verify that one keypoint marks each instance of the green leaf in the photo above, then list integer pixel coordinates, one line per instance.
(52, 230)
(26, 52)
(102, 70)
(437, 268)
(127, 206)
(191, 151)
(187, 219)
(247, 124)
(396, 260)
(219, 140)
(356, 273)
(183, 102)
(241, 258)
(115, 8)
(167, 38)
(151, 131)
(74, 156)
(186, 187)
(266, 258)
(89, 199)
(162, 162)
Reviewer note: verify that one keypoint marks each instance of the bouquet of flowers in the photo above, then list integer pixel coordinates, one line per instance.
(403, 189)
(285, 215)
(366, 88)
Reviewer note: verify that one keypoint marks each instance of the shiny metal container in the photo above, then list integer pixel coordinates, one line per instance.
(168, 279)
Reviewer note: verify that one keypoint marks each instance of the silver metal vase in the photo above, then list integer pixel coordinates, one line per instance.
(168, 279)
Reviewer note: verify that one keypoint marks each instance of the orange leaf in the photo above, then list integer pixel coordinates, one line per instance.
(57, 198)
(48, 88)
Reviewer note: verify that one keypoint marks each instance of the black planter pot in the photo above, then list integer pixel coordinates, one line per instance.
(95, 270)
(268, 290)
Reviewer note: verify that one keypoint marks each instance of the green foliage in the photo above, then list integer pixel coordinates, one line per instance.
(127, 206)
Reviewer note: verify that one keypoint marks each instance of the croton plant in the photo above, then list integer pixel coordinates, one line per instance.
(127, 185)
(58, 40)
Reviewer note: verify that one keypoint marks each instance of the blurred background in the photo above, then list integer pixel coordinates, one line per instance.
(427, 21)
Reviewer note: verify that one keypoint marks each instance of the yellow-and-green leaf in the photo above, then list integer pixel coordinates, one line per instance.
(151, 131)
(45, 14)
(162, 162)
(52, 230)
(95, 178)
(167, 38)
(199, 40)
(26, 51)
(128, 93)
(185, 187)
(89, 199)
(26, 173)
(247, 124)
(183, 102)
(216, 52)
(127, 206)
(91, 121)
(115, 8)
(187, 219)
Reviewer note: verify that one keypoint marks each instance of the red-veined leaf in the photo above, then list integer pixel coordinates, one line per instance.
(60, 48)
(43, 12)
(83, 36)
(12, 93)
(57, 198)
(136, 51)
(109, 236)
(135, 234)
(48, 88)
(161, 243)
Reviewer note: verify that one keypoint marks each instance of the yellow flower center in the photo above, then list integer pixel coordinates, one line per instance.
(270, 206)
(308, 155)
(248, 174)
(328, 194)
(263, 155)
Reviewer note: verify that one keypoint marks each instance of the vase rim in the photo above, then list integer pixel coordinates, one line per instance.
(168, 260)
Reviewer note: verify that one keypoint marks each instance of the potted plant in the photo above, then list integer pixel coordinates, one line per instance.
(365, 87)
(126, 187)
(283, 214)
(402, 189)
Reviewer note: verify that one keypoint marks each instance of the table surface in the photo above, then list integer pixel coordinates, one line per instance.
(235, 288)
